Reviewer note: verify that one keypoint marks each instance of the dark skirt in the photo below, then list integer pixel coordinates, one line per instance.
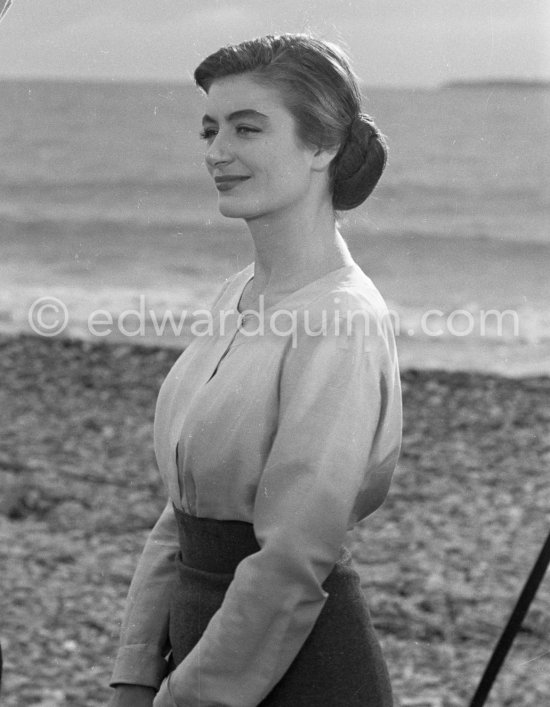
(340, 663)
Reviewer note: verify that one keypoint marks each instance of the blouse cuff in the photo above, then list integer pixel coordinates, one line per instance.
(139, 664)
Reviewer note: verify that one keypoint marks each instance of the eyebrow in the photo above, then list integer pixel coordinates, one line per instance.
(237, 115)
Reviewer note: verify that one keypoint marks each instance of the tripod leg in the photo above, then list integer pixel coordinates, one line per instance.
(512, 627)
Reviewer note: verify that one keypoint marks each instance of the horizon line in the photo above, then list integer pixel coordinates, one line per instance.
(448, 83)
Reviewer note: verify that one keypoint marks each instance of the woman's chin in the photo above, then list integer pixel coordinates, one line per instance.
(236, 210)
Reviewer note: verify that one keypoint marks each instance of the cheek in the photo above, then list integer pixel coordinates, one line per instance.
(286, 167)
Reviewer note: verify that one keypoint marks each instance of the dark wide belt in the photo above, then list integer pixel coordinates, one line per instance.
(214, 545)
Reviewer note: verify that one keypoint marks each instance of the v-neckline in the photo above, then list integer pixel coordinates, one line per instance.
(290, 295)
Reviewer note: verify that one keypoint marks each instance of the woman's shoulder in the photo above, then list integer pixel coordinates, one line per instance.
(344, 310)
(348, 293)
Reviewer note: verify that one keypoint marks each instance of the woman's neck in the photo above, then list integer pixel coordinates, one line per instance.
(291, 251)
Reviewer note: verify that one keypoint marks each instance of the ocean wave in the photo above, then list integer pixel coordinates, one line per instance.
(50, 182)
(18, 218)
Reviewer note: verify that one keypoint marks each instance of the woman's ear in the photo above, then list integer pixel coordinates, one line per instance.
(322, 157)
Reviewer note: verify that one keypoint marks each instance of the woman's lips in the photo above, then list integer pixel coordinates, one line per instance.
(228, 182)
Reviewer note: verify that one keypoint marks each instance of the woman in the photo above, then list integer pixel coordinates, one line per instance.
(279, 430)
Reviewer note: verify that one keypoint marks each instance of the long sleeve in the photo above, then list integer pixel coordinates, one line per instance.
(330, 463)
(144, 633)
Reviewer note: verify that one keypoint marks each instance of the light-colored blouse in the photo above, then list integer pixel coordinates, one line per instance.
(289, 419)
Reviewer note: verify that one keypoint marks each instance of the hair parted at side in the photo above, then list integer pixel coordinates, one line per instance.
(318, 87)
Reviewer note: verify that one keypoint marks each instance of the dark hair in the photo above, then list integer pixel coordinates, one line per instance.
(319, 88)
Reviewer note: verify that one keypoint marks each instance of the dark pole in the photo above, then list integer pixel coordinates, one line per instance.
(513, 626)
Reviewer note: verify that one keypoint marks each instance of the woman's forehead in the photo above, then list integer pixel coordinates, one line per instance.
(232, 94)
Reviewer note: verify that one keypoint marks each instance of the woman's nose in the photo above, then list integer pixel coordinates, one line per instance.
(219, 151)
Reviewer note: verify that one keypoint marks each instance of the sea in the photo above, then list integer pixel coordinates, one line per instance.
(109, 228)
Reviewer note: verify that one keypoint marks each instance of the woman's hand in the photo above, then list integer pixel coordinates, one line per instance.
(133, 696)
(164, 697)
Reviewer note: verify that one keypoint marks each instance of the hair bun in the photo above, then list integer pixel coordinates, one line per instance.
(359, 164)
(362, 125)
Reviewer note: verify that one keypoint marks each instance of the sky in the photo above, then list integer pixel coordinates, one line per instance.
(401, 43)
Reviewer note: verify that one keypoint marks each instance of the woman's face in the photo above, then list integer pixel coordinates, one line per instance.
(254, 156)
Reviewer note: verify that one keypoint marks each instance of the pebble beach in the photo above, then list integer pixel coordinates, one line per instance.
(442, 562)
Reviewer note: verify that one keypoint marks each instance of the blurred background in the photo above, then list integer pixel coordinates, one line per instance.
(105, 202)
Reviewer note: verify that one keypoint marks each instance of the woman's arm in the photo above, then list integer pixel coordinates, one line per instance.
(330, 463)
(144, 633)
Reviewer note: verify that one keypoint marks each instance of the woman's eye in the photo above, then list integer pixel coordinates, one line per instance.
(208, 133)
(246, 129)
